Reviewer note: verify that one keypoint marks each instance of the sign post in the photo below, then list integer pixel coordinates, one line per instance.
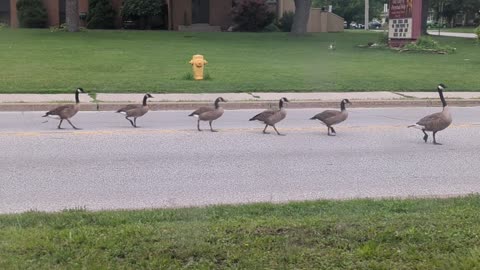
(405, 22)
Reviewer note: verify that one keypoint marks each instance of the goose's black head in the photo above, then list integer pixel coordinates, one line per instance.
(80, 90)
(148, 96)
(284, 99)
(441, 86)
(346, 101)
(220, 99)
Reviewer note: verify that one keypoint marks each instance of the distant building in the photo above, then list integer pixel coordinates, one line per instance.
(182, 15)
(321, 20)
(215, 13)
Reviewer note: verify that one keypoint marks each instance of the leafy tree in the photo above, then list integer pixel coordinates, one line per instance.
(101, 14)
(252, 15)
(31, 13)
(448, 9)
(142, 10)
(353, 10)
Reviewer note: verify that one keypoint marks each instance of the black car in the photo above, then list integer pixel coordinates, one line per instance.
(374, 25)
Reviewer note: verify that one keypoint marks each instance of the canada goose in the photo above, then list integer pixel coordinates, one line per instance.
(332, 47)
(135, 110)
(65, 112)
(209, 113)
(437, 121)
(332, 117)
(271, 117)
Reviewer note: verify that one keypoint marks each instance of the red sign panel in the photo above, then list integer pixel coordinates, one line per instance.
(401, 9)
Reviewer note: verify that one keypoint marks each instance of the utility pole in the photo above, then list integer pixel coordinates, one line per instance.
(367, 15)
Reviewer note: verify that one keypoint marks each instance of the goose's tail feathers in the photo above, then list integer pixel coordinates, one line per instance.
(417, 126)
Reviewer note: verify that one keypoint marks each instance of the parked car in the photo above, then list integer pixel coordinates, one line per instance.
(354, 25)
(375, 25)
(434, 24)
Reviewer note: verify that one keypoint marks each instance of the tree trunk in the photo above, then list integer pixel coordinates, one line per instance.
(72, 15)
(425, 8)
(302, 14)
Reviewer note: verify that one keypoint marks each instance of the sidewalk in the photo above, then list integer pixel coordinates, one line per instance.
(107, 102)
(451, 34)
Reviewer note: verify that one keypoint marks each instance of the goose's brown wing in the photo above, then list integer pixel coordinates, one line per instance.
(202, 110)
(129, 107)
(59, 110)
(325, 115)
(432, 121)
(263, 116)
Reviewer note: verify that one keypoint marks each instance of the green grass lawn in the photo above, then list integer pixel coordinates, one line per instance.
(40, 61)
(357, 234)
(456, 29)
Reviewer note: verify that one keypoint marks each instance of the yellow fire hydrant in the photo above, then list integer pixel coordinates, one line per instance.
(198, 63)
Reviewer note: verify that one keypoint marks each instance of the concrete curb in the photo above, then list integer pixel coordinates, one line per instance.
(159, 106)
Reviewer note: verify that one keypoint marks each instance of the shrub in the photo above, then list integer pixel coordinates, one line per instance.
(252, 15)
(476, 21)
(142, 10)
(101, 14)
(477, 31)
(31, 13)
(285, 23)
(64, 28)
(427, 44)
(271, 28)
(61, 28)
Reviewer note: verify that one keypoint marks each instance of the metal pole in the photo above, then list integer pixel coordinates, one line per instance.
(367, 8)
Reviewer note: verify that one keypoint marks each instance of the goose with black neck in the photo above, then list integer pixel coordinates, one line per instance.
(435, 122)
(65, 112)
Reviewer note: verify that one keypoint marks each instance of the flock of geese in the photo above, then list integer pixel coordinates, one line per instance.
(433, 123)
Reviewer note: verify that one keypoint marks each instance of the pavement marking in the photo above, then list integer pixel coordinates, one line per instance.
(189, 131)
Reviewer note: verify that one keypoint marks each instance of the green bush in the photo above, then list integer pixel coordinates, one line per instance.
(101, 14)
(285, 23)
(427, 44)
(252, 15)
(63, 28)
(477, 31)
(143, 10)
(271, 28)
(31, 13)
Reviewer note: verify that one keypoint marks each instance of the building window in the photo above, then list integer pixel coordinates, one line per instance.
(5, 11)
(61, 12)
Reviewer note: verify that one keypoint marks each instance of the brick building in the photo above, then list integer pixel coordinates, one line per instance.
(203, 14)
(182, 15)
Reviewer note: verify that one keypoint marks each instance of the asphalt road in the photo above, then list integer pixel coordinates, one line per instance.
(167, 163)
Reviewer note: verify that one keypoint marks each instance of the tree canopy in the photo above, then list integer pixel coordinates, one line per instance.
(448, 9)
(352, 10)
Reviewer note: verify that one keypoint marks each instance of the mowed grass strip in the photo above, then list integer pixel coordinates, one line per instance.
(357, 234)
(40, 61)
(469, 30)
